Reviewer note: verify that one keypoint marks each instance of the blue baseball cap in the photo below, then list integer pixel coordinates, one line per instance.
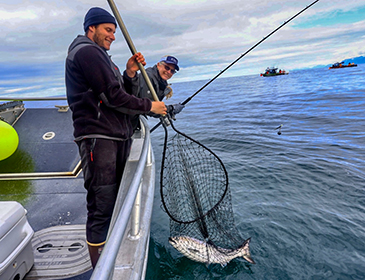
(171, 60)
(97, 16)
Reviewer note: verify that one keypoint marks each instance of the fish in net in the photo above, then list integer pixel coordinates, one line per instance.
(196, 196)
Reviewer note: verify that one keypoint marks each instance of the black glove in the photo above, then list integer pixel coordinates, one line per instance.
(174, 109)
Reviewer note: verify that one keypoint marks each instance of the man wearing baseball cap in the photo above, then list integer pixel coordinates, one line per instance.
(159, 74)
(103, 102)
(168, 59)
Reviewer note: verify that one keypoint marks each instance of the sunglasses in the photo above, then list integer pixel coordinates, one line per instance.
(167, 68)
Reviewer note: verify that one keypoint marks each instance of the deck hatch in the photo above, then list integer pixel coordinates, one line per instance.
(59, 252)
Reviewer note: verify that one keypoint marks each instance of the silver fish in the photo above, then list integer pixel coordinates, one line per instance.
(205, 252)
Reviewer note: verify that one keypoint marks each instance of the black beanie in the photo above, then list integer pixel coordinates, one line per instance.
(97, 16)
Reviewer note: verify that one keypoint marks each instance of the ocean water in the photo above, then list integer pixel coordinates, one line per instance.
(300, 195)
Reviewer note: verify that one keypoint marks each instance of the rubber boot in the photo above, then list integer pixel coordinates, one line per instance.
(95, 252)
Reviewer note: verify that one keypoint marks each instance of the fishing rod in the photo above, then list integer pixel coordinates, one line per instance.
(239, 58)
(242, 55)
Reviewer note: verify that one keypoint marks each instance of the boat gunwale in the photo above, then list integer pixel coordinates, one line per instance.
(106, 264)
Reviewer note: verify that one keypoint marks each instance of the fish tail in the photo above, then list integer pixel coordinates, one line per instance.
(245, 251)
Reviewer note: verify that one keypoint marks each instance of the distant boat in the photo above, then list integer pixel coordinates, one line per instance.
(273, 71)
(342, 65)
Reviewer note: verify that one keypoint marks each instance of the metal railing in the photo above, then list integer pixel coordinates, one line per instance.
(33, 98)
(42, 175)
(129, 211)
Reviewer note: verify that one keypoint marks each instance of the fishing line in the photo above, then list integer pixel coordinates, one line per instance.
(278, 128)
(197, 157)
(239, 58)
(282, 124)
(292, 113)
(195, 191)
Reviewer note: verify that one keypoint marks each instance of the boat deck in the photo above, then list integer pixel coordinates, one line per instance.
(52, 196)
(44, 175)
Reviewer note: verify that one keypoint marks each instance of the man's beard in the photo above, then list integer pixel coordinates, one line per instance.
(98, 40)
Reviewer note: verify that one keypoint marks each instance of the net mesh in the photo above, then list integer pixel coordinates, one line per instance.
(195, 194)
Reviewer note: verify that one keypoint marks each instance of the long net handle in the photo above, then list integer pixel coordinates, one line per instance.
(113, 7)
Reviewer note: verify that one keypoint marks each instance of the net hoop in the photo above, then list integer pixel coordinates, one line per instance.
(164, 204)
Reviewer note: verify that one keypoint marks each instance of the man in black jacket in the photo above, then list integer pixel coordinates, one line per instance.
(102, 101)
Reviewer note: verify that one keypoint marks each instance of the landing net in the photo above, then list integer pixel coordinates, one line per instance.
(195, 193)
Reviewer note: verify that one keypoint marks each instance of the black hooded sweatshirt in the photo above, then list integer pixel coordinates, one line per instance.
(101, 99)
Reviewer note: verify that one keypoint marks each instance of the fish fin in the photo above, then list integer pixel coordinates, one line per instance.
(246, 251)
(209, 266)
(223, 264)
(249, 259)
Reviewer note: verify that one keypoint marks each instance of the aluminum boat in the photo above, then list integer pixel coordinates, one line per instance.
(41, 184)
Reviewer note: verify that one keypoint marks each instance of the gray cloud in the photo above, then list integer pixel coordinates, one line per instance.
(205, 36)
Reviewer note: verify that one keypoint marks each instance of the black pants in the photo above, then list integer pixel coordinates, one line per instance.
(103, 163)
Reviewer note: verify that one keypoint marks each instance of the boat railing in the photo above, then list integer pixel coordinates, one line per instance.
(125, 212)
(33, 98)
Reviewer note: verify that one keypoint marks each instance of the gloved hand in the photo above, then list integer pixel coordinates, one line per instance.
(177, 108)
(174, 109)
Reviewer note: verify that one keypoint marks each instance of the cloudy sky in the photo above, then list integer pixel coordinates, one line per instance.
(206, 36)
